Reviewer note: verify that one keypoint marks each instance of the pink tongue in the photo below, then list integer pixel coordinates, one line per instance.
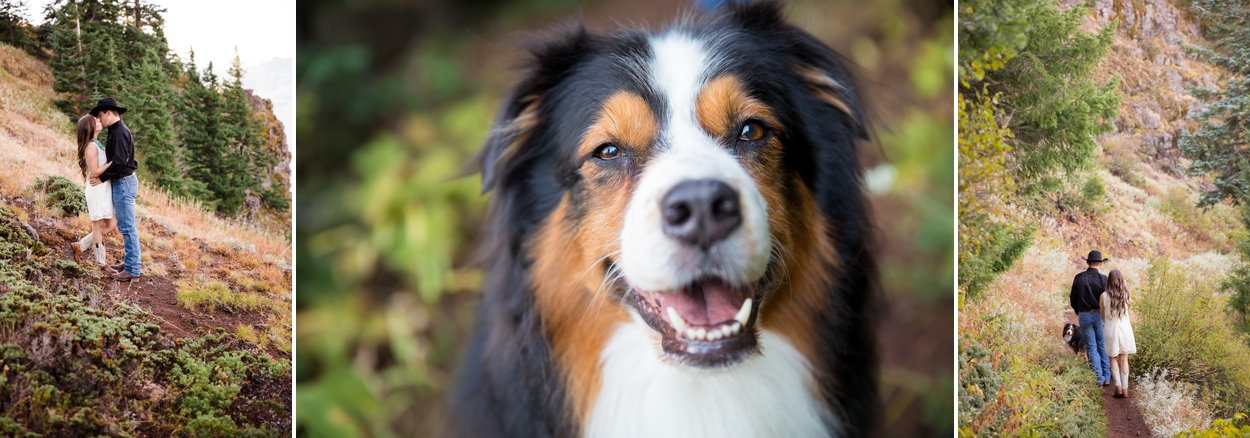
(704, 303)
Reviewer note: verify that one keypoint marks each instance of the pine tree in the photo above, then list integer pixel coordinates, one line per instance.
(148, 92)
(86, 37)
(212, 153)
(15, 30)
(199, 125)
(242, 132)
(1056, 107)
(1220, 148)
(243, 147)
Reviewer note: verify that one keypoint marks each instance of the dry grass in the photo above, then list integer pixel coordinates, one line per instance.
(208, 294)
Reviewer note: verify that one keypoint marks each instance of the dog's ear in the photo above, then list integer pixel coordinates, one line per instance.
(522, 112)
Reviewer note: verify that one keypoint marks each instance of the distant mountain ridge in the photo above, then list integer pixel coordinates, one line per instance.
(273, 80)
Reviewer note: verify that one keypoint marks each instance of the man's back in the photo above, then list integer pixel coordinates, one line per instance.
(1086, 289)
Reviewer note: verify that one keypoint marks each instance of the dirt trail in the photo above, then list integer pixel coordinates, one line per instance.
(158, 295)
(1123, 418)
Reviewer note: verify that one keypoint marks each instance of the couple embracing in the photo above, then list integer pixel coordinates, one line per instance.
(1101, 303)
(111, 187)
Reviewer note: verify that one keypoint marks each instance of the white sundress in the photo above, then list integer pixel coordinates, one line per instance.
(1117, 332)
(100, 196)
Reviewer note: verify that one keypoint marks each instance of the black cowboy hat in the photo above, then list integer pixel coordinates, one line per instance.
(107, 103)
(1094, 256)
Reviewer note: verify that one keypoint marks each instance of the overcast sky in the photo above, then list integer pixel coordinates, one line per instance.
(262, 29)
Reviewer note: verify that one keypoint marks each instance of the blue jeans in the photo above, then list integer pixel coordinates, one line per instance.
(1095, 348)
(124, 191)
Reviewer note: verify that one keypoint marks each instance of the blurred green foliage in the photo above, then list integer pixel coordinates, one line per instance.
(395, 98)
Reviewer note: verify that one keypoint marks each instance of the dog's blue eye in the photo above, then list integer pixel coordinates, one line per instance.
(607, 152)
(751, 131)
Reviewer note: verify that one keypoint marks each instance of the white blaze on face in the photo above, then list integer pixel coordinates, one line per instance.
(651, 260)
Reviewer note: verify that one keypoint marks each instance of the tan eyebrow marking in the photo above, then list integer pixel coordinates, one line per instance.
(624, 117)
(724, 103)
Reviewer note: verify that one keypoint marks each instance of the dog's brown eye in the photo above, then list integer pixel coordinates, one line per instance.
(751, 131)
(607, 152)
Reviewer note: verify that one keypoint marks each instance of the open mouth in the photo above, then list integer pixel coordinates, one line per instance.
(704, 324)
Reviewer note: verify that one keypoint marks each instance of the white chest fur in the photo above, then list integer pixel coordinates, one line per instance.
(767, 395)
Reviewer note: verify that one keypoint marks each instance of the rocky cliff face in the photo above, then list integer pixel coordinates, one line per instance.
(1148, 54)
(273, 80)
(275, 140)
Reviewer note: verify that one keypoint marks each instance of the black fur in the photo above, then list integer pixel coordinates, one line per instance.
(508, 384)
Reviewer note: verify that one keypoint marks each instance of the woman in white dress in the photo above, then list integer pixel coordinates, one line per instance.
(92, 161)
(1117, 330)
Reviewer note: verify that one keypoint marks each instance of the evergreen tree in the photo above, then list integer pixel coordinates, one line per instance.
(199, 126)
(85, 35)
(147, 91)
(242, 132)
(15, 30)
(1220, 148)
(212, 153)
(1056, 108)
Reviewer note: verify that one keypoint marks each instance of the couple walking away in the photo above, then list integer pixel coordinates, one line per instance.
(1101, 303)
(111, 187)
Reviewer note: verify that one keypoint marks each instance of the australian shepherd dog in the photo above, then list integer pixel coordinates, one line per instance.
(678, 244)
(1072, 336)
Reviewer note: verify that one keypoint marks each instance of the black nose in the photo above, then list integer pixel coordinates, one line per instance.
(700, 212)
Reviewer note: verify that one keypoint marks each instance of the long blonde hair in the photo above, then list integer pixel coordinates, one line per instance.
(86, 133)
(1118, 295)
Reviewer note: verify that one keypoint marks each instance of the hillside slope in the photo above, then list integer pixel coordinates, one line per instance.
(1137, 207)
(199, 345)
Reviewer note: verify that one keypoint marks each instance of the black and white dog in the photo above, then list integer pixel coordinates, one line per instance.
(1072, 335)
(679, 243)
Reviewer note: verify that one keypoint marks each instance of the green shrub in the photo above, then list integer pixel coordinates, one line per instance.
(62, 195)
(1181, 326)
(1024, 389)
(1092, 197)
(1004, 244)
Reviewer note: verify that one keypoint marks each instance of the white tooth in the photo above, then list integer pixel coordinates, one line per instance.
(689, 333)
(700, 333)
(736, 328)
(725, 330)
(678, 323)
(713, 335)
(744, 312)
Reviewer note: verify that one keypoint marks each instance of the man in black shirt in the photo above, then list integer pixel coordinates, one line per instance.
(120, 148)
(1087, 289)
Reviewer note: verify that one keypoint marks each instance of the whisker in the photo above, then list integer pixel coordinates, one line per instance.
(595, 296)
